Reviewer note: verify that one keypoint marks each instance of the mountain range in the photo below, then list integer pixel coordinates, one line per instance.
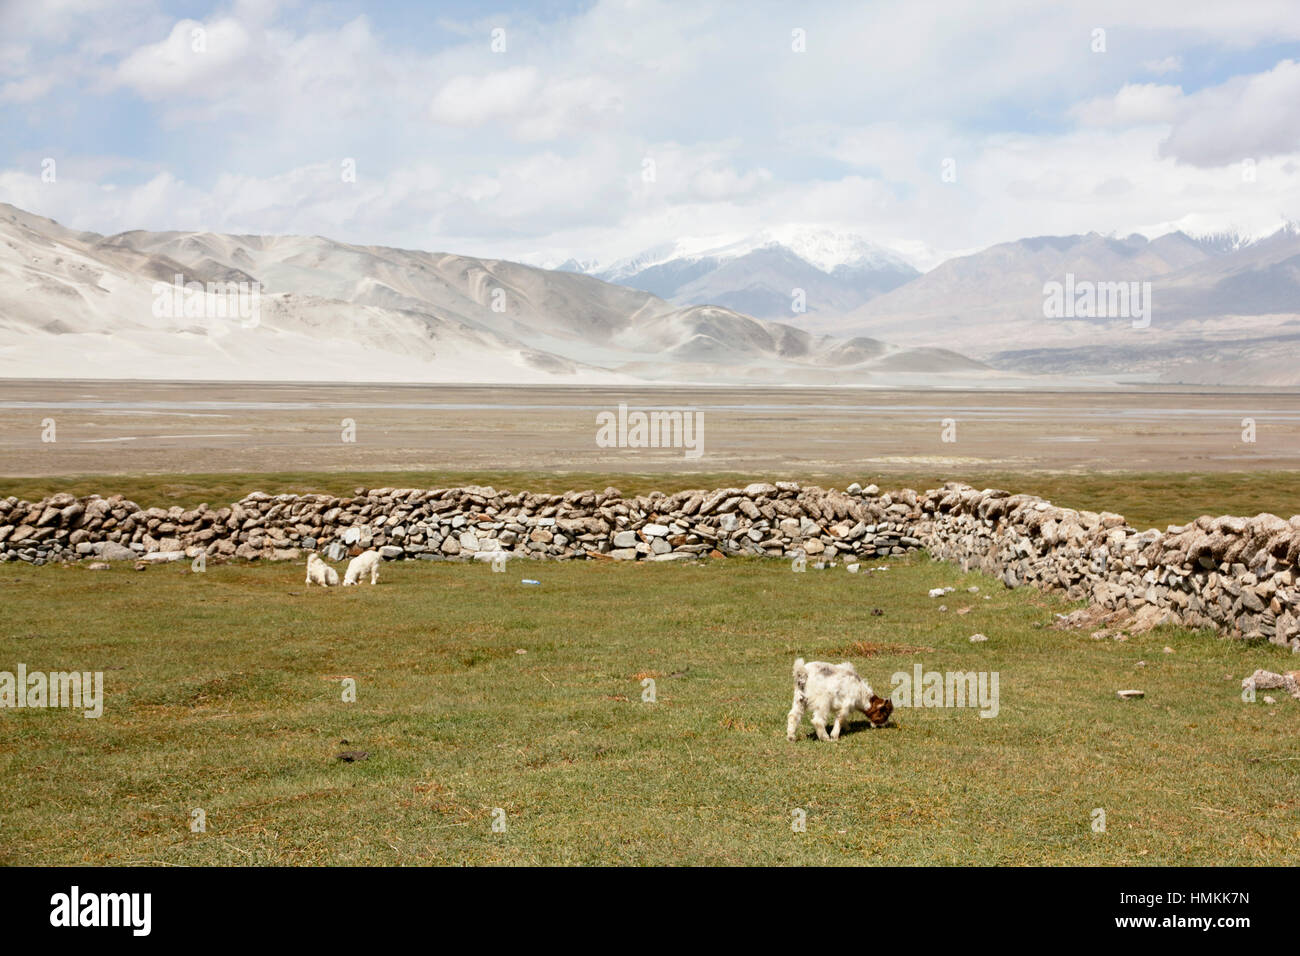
(761, 275)
(1223, 311)
(82, 305)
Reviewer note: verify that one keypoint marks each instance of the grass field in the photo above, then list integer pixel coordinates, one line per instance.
(224, 692)
(1147, 500)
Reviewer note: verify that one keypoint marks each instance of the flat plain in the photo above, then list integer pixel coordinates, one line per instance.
(476, 694)
(479, 698)
(156, 427)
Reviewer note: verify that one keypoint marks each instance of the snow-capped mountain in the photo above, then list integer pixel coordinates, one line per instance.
(777, 273)
(1221, 309)
(823, 249)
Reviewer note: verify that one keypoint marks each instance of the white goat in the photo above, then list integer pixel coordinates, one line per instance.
(366, 562)
(318, 572)
(832, 689)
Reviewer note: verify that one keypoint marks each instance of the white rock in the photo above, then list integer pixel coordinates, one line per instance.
(157, 557)
(977, 638)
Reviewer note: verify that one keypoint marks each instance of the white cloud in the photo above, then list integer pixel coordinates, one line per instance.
(196, 59)
(27, 89)
(475, 100)
(1136, 104)
(542, 147)
(1170, 64)
(534, 109)
(1255, 116)
(1248, 116)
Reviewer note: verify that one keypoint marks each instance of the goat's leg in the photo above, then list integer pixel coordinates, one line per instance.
(819, 725)
(840, 718)
(796, 715)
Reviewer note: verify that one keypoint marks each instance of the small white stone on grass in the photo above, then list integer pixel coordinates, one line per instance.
(1129, 694)
(977, 638)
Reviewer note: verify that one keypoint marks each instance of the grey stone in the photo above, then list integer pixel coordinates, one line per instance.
(112, 551)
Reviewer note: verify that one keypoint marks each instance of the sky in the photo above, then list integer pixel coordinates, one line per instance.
(550, 130)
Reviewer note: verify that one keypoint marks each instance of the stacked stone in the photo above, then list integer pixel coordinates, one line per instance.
(780, 519)
(1236, 574)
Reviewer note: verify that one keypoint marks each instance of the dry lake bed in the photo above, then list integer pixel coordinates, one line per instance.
(103, 427)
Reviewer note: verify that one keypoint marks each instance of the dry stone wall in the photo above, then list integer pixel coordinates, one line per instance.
(1237, 574)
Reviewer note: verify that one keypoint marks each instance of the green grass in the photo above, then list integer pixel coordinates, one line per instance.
(1147, 500)
(223, 692)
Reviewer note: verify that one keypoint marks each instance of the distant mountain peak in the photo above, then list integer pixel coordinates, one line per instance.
(1231, 240)
(768, 273)
(823, 249)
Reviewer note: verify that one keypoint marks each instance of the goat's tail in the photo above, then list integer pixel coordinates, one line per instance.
(800, 674)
